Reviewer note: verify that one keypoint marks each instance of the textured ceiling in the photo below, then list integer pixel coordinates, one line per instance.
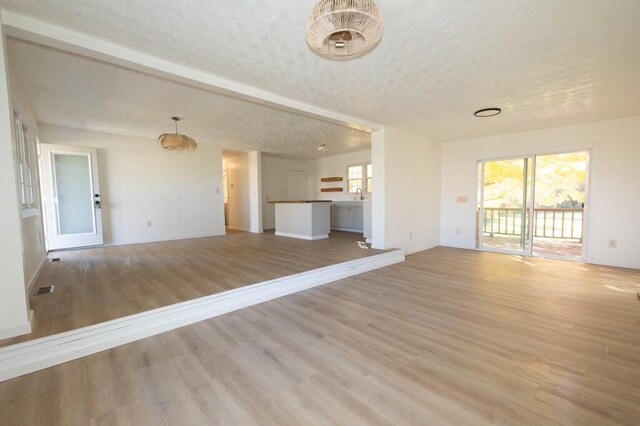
(545, 62)
(77, 92)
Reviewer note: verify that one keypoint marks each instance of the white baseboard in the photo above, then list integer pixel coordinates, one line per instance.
(17, 330)
(27, 357)
(149, 241)
(35, 276)
(162, 240)
(419, 249)
(303, 237)
(358, 231)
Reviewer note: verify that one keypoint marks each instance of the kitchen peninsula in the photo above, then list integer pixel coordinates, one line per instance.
(305, 219)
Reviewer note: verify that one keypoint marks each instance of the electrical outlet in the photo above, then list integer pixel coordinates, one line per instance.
(613, 243)
(411, 235)
(148, 224)
(458, 231)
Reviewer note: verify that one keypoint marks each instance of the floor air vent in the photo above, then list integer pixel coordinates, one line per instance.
(45, 290)
(55, 259)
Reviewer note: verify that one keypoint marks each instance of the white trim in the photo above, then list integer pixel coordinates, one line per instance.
(27, 357)
(16, 330)
(419, 249)
(356, 230)
(41, 32)
(31, 212)
(302, 236)
(35, 276)
(162, 240)
(133, 243)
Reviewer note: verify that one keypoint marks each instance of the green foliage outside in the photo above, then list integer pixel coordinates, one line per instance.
(560, 181)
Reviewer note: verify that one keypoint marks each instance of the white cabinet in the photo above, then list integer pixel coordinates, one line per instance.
(356, 218)
(347, 216)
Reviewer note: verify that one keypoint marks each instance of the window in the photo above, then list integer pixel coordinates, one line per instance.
(359, 176)
(355, 175)
(25, 162)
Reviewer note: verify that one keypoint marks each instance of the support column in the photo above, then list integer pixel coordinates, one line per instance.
(14, 317)
(378, 144)
(255, 191)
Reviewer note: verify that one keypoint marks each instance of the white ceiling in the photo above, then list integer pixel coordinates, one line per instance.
(73, 91)
(545, 62)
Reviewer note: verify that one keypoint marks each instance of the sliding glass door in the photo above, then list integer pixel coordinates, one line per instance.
(505, 204)
(533, 205)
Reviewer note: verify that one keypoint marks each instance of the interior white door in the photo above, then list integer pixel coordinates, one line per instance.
(296, 185)
(71, 199)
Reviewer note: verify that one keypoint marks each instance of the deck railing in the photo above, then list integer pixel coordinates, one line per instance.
(548, 223)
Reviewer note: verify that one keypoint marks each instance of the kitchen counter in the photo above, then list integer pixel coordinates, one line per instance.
(306, 219)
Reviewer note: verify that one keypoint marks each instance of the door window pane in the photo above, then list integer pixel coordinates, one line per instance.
(74, 193)
(504, 222)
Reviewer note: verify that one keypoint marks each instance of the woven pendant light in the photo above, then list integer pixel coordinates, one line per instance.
(177, 142)
(343, 29)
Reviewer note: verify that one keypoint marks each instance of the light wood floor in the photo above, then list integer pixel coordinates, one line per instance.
(100, 284)
(448, 337)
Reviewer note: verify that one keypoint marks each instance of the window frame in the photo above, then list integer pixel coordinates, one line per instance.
(25, 164)
(366, 188)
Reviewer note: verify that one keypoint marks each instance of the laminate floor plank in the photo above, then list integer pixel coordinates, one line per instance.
(448, 337)
(100, 284)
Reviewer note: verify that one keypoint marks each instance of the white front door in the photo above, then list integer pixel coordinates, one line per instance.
(71, 199)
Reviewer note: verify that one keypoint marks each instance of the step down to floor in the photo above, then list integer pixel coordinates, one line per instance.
(24, 358)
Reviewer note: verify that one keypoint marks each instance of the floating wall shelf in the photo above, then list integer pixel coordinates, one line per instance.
(331, 179)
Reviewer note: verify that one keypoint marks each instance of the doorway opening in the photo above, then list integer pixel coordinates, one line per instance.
(533, 205)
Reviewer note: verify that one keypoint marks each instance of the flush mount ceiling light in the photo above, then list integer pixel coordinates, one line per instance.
(343, 29)
(487, 112)
(177, 142)
(323, 147)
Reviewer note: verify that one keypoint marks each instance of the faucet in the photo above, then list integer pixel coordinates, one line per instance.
(361, 195)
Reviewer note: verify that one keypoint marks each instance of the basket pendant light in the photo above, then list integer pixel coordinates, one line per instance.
(177, 142)
(343, 29)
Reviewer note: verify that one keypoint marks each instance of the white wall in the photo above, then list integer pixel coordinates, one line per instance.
(13, 300)
(334, 166)
(406, 196)
(613, 204)
(32, 228)
(179, 192)
(274, 184)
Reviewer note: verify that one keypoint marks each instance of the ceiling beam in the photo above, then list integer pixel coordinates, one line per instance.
(46, 34)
